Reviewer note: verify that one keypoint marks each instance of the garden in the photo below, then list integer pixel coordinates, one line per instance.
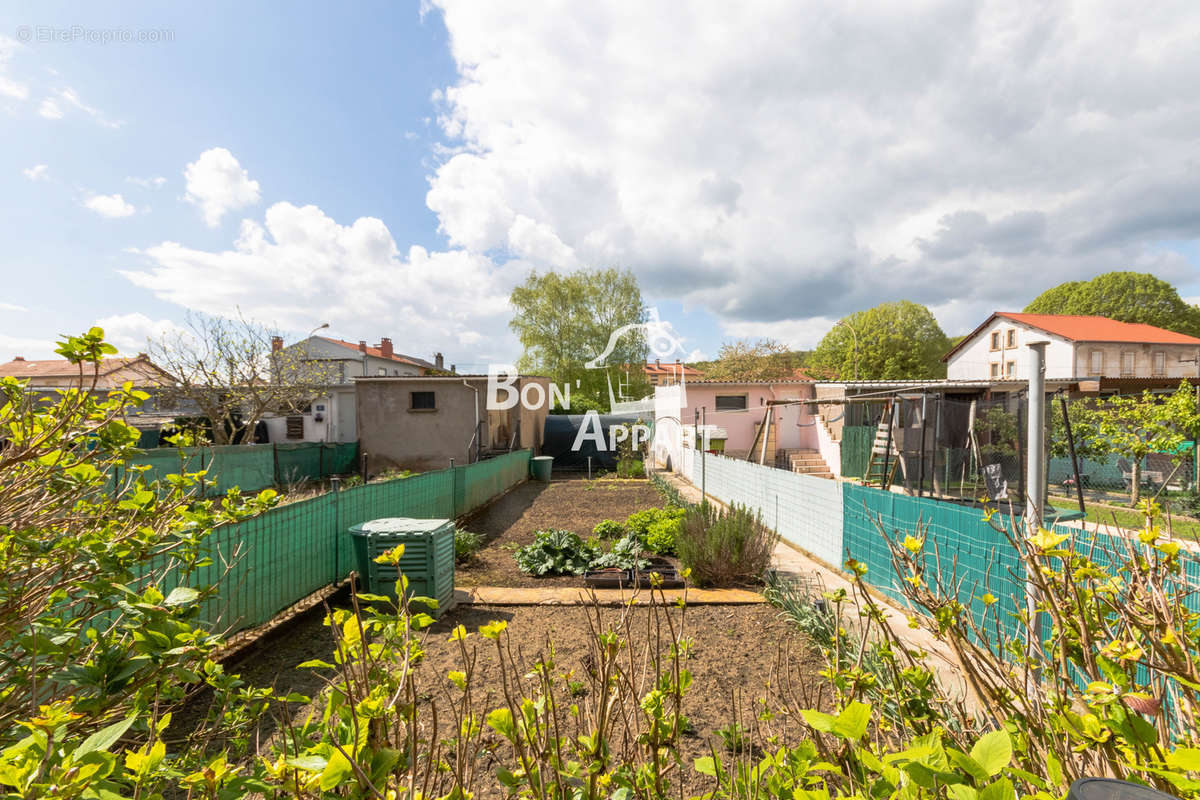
(113, 688)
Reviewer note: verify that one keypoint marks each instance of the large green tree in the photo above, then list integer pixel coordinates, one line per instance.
(892, 341)
(565, 320)
(1124, 296)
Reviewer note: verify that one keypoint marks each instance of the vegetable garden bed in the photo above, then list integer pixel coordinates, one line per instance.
(574, 505)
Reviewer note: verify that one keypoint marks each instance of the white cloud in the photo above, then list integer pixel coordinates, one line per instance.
(60, 101)
(155, 182)
(963, 156)
(112, 206)
(10, 87)
(26, 346)
(12, 307)
(217, 183)
(132, 333)
(38, 172)
(299, 267)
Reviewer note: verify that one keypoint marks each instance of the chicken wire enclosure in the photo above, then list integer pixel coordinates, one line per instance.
(955, 446)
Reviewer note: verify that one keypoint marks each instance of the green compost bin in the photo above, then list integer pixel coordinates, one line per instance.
(541, 467)
(428, 560)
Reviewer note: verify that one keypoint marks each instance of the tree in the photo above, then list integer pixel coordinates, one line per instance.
(744, 360)
(566, 320)
(228, 370)
(892, 341)
(1123, 296)
(1133, 427)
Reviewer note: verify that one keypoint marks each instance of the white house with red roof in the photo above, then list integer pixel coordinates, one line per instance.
(1080, 347)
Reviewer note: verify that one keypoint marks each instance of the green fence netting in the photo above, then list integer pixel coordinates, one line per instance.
(962, 550)
(250, 467)
(856, 450)
(270, 562)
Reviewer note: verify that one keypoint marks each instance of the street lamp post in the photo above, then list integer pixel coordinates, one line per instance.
(854, 334)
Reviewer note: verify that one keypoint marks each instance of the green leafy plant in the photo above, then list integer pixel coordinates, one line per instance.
(626, 553)
(555, 552)
(466, 545)
(663, 535)
(733, 736)
(608, 529)
(725, 547)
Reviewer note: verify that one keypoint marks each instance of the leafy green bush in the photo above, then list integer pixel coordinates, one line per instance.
(625, 554)
(556, 552)
(466, 545)
(631, 468)
(725, 547)
(663, 534)
(609, 529)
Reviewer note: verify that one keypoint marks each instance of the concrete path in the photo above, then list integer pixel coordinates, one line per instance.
(575, 596)
(791, 560)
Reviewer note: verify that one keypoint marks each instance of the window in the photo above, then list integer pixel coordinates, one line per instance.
(1010, 337)
(1096, 364)
(422, 401)
(1010, 369)
(1160, 363)
(731, 402)
(1127, 364)
(295, 427)
(995, 340)
(995, 369)
(381, 371)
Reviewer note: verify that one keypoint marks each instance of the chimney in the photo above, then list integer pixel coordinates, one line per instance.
(362, 346)
(658, 362)
(438, 361)
(452, 369)
(385, 347)
(19, 358)
(276, 344)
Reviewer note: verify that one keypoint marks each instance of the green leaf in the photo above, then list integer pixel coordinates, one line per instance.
(998, 790)
(181, 596)
(992, 752)
(311, 763)
(851, 724)
(336, 771)
(1185, 758)
(967, 764)
(819, 720)
(104, 738)
(501, 720)
(315, 663)
(706, 766)
(960, 791)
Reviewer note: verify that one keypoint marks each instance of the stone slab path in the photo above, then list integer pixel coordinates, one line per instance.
(575, 596)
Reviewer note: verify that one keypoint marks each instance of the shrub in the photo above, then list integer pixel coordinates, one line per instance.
(555, 552)
(632, 468)
(725, 547)
(663, 534)
(466, 545)
(625, 554)
(639, 522)
(609, 529)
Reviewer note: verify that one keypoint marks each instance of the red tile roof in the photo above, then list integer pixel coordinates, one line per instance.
(1077, 328)
(375, 352)
(61, 368)
(1099, 329)
(670, 368)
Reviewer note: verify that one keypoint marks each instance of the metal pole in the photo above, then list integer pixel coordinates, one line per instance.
(335, 486)
(703, 454)
(589, 458)
(1062, 399)
(1035, 475)
(1035, 485)
(924, 428)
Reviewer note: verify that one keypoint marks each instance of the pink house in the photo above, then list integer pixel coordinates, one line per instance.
(738, 409)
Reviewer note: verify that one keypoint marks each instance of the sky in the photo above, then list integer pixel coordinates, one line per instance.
(764, 168)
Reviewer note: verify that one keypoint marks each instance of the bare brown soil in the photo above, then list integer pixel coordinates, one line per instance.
(575, 505)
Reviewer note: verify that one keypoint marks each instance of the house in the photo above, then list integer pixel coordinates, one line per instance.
(1080, 347)
(660, 374)
(734, 413)
(109, 374)
(421, 422)
(333, 417)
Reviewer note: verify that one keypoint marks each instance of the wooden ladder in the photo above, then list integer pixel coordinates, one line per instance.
(882, 465)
